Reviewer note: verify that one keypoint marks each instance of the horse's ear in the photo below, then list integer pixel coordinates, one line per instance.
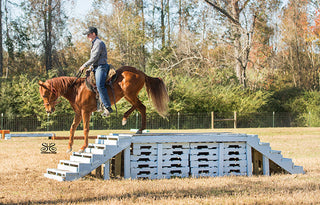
(42, 84)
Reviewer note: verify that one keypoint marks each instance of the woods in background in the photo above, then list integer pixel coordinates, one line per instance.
(212, 55)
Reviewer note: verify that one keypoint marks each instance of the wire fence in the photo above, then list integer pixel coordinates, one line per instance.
(154, 121)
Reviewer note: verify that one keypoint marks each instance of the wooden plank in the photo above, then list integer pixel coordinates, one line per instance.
(190, 137)
(212, 120)
(207, 145)
(75, 137)
(265, 163)
(249, 160)
(159, 160)
(106, 170)
(126, 163)
(200, 164)
(235, 120)
(221, 158)
(175, 145)
(224, 119)
(199, 158)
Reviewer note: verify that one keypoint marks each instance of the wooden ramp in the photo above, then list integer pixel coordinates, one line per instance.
(157, 156)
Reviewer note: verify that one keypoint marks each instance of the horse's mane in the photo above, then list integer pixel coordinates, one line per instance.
(61, 84)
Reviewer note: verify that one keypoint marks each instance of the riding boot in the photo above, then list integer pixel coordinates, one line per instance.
(107, 112)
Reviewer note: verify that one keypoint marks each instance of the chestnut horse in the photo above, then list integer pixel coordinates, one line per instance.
(128, 83)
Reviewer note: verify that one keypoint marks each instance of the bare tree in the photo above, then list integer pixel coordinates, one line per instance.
(47, 21)
(241, 32)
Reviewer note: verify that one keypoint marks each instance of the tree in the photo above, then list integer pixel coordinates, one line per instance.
(240, 31)
(261, 70)
(123, 31)
(299, 63)
(47, 22)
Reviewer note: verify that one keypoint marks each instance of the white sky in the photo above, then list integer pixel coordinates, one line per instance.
(78, 8)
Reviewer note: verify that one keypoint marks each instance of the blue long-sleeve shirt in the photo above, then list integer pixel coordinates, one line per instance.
(98, 55)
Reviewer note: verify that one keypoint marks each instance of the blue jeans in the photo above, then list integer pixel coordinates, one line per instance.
(101, 73)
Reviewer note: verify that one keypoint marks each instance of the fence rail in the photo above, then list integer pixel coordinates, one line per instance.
(154, 121)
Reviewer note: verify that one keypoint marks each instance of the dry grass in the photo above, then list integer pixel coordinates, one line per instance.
(22, 181)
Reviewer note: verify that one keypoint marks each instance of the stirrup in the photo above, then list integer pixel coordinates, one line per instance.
(107, 112)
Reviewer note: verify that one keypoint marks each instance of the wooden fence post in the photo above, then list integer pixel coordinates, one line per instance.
(235, 120)
(212, 120)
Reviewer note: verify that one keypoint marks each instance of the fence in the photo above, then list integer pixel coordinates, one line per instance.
(154, 121)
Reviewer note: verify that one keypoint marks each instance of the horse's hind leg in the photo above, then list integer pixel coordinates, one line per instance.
(142, 110)
(127, 114)
(137, 104)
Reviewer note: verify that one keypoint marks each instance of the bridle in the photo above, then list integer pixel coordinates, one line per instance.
(53, 91)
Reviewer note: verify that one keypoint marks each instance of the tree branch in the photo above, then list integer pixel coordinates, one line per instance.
(224, 12)
(244, 5)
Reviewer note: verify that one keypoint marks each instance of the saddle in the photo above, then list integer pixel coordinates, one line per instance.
(91, 83)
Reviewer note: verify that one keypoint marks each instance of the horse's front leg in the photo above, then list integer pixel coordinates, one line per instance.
(85, 120)
(75, 123)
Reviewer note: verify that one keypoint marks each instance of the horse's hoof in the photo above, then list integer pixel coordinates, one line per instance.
(124, 122)
(69, 150)
(139, 132)
(81, 151)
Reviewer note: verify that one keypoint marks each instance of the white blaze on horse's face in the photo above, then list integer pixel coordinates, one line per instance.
(49, 97)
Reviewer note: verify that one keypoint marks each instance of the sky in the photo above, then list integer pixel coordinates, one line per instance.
(78, 8)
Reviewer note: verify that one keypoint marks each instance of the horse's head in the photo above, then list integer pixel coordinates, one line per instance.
(49, 95)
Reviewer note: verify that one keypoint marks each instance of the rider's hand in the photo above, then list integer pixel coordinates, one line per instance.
(81, 69)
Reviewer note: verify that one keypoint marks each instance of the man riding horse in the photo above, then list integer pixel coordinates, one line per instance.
(98, 59)
(127, 84)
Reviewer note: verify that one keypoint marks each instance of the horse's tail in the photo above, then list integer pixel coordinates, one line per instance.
(158, 93)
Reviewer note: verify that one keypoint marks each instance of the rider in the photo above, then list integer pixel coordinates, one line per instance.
(98, 59)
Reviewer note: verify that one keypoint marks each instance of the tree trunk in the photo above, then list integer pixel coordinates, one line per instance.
(9, 42)
(1, 45)
(180, 21)
(237, 44)
(48, 34)
(163, 37)
(168, 23)
(153, 25)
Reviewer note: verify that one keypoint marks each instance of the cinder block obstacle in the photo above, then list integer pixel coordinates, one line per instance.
(158, 156)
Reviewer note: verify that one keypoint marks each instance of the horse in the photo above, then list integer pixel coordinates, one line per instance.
(128, 84)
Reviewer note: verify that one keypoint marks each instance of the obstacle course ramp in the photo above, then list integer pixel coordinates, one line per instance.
(273, 157)
(82, 164)
(167, 155)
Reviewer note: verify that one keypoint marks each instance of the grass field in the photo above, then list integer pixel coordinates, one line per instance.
(22, 182)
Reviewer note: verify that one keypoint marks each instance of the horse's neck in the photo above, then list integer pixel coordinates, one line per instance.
(64, 84)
